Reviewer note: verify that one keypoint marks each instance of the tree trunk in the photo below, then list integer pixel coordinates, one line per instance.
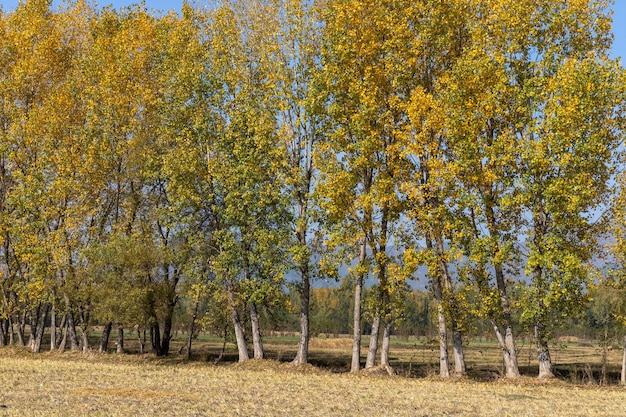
(444, 364)
(457, 338)
(509, 355)
(459, 357)
(155, 338)
(167, 330)
(356, 330)
(605, 347)
(257, 342)
(192, 329)
(21, 326)
(384, 353)
(3, 338)
(512, 369)
(543, 353)
(305, 291)
(7, 330)
(53, 329)
(223, 350)
(34, 318)
(71, 329)
(239, 331)
(120, 339)
(508, 349)
(83, 317)
(104, 340)
(509, 352)
(142, 341)
(84, 339)
(373, 348)
(64, 327)
(623, 375)
(40, 329)
(10, 330)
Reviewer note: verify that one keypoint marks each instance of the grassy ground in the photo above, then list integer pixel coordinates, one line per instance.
(419, 357)
(118, 385)
(112, 385)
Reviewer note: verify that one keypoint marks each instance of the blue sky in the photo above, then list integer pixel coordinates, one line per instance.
(619, 17)
(619, 29)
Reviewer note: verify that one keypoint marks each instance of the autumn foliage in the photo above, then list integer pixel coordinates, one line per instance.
(152, 163)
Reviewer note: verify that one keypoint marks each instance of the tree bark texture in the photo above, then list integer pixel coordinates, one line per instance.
(169, 316)
(444, 363)
(543, 352)
(240, 336)
(104, 340)
(53, 329)
(507, 343)
(257, 341)
(120, 339)
(356, 330)
(167, 330)
(40, 329)
(142, 340)
(457, 338)
(384, 352)
(71, 328)
(83, 317)
(509, 351)
(64, 327)
(155, 338)
(10, 331)
(192, 329)
(21, 325)
(623, 375)
(34, 318)
(302, 354)
(373, 348)
(459, 357)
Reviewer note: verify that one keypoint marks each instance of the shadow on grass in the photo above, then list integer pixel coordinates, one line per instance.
(411, 358)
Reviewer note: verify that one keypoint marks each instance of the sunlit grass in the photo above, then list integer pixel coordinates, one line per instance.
(121, 385)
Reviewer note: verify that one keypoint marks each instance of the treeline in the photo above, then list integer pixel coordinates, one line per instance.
(198, 158)
(332, 315)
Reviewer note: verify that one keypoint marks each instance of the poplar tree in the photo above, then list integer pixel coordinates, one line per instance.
(247, 166)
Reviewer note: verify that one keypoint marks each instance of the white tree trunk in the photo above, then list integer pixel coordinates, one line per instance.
(384, 353)
(444, 363)
(459, 357)
(356, 330)
(623, 376)
(120, 339)
(239, 331)
(543, 353)
(373, 349)
(53, 329)
(257, 342)
(305, 295)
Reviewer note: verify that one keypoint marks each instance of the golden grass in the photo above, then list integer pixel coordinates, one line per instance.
(144, 394)
(343, 343)
(111, 385)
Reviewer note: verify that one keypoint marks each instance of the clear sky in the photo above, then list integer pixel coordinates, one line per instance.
(619, 17)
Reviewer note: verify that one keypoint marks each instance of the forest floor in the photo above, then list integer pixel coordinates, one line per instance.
(74, 384)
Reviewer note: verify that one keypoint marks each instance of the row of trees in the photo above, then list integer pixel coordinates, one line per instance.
(201, 156)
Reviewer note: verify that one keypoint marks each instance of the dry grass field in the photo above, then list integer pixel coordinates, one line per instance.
(575, 362)
(73, 384)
